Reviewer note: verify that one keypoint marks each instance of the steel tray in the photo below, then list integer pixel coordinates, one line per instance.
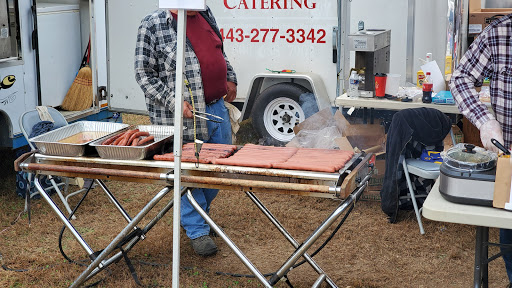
(47, 143)
(163, 135)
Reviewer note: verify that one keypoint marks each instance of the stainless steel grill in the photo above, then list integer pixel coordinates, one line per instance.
(347, 184)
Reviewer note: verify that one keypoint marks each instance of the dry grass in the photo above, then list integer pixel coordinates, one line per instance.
(366, 252)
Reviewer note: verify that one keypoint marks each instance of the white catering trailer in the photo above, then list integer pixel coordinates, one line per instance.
(306, 38)
(41, 48)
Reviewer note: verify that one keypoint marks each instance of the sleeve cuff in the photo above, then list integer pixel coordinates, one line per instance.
(483, 119)
(170, 103)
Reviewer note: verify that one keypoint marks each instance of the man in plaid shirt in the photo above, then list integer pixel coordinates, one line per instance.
(211, 80)
(490, 56)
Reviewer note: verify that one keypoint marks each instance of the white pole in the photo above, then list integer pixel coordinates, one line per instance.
(178, 140)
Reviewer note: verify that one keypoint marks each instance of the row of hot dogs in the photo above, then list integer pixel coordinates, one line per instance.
(321, 160)
(132, 137)
(208, 154)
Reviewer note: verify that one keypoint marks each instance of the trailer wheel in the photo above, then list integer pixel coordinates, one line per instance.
(277, 110)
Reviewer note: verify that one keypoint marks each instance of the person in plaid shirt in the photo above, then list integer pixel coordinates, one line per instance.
(489, 56)
(212, 81)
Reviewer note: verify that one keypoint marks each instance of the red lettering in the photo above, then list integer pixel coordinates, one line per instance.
(313, 5)
(227, 6)
(276, 4)
(322, 36)
(242, 2)
(270, 4)
(311, 35)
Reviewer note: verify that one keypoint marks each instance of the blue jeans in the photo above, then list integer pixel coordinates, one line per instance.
(506, 238)
(191, 221)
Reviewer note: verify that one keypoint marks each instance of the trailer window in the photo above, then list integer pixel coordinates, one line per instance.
(9, 30)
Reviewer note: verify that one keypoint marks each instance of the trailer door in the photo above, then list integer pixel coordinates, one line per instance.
(123, 20)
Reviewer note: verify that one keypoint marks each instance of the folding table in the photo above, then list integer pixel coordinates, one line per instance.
(438, 209)
(348, 184)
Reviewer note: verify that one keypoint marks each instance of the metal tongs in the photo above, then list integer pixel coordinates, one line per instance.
(206, 115)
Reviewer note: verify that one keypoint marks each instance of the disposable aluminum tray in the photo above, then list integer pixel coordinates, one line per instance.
(48, 143)
(163, 135)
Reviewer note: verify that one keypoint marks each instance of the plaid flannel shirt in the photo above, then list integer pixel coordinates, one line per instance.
(490, 55)
(155, 71)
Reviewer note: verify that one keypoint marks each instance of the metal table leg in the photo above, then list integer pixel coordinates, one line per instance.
(27, 196)
(485, 257)
(301, 250)
(114, 201)
(135, 240)
(481, 277)
(323, 276)
(131, 225)
(62, 217)
(226, 239)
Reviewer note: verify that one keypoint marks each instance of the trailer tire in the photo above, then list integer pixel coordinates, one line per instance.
(276, 111)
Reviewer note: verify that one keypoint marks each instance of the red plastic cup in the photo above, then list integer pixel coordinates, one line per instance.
(380, 84)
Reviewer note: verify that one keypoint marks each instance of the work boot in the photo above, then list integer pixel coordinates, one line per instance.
(204, 246)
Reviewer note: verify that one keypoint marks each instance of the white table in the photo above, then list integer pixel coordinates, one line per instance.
(386, 104)
(438, 209)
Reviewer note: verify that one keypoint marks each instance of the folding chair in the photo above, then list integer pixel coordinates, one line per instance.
(27, 121)
(420, 168)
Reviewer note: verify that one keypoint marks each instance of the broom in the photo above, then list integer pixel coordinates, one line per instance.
(79, 96)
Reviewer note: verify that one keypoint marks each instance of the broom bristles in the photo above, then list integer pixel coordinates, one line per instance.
(79, 96)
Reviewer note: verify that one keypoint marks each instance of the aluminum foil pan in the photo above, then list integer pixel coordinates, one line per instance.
(48, 143)
(163, 135)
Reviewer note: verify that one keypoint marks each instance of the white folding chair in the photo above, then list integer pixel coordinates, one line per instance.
(27, 121)
(420, 168)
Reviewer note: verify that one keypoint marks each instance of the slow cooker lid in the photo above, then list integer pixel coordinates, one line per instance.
(469, 157)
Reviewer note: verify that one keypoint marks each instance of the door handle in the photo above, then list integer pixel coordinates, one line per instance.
(334, 44)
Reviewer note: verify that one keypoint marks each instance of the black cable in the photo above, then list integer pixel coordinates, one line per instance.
(328, 238)
(6, 268)
(62, 233)
(64, 228)
(287, 281)
(70, 261)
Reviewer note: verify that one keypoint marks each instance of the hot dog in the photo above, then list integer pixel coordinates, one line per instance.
(164, 157)
(124, 141)
(121, 137)
(137, 135)
(146, 140)
(111, 140)
(127, 135)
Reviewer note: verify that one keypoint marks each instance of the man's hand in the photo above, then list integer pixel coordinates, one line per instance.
(230, 97)
(491, 129)
(187, 110)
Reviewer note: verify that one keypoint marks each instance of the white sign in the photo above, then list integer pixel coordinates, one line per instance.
(360, 43)
(475, 28)
(182, 4)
